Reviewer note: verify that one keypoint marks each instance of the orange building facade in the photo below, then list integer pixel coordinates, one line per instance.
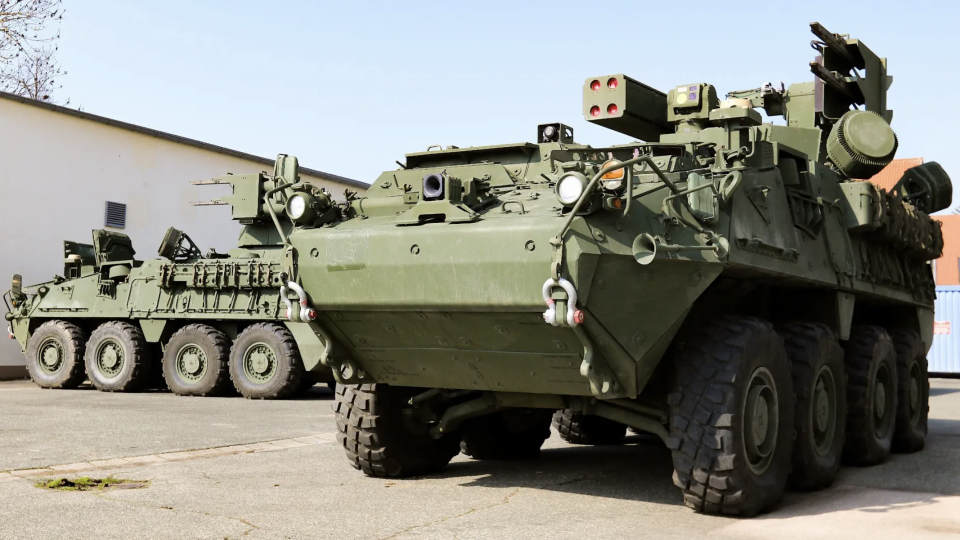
(946, 267)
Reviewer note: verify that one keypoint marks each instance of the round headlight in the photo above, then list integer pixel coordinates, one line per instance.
(296, 206)
(570, 188)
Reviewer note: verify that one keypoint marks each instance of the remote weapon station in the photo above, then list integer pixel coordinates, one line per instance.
(729, 286)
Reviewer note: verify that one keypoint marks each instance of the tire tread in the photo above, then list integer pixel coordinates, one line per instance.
(221, 344)
(77, 339)
(292, 376)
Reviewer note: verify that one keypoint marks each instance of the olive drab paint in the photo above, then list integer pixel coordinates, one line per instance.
(436, 277)
(558, 275)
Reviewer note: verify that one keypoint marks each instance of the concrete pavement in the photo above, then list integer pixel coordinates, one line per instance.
(272, 470)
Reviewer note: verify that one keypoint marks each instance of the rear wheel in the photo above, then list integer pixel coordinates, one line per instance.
(732, 417)
(579, 428)
(197, 361)
(55, 355)
(871, 363)
(118, 358)
(821, 408)
(265, 362)
(507, 435)
(381, 435)
(913, 391)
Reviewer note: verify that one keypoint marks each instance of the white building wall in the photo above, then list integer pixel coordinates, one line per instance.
(57, 171)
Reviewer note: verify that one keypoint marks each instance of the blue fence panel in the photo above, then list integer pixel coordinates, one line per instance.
(944, 355)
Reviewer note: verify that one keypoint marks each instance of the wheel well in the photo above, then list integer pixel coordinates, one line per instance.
(779, 304)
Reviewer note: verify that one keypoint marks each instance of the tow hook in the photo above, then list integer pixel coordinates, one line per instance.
(306, 313)
(574, 315)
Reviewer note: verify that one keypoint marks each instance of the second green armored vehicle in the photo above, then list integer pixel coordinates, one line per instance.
(194, 322)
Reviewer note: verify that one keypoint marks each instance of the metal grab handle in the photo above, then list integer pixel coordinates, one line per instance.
(503, 207)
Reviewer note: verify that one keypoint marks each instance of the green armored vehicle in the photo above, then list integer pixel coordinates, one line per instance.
(728, 286)
(194, 322)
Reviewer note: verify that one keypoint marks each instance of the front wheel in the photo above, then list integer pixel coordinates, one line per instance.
(381, 436)
(732, 417)
(55, 355)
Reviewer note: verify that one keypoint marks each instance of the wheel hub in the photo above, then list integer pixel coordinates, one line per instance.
(882, 402)
(51, 356)
(822, 407)
(191, 363)
(760, 420)
(915, 393)
(260, 362)
(110, 358)
(823, 411)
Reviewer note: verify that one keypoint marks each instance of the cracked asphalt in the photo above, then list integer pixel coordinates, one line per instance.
(271, 470)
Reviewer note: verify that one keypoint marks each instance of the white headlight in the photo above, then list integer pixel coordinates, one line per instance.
(296, 206)
(570, 187)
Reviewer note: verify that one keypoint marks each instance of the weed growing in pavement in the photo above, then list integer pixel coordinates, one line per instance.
(85, 483)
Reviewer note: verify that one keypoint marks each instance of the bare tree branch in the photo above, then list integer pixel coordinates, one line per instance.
(28, 64)
(36, 75)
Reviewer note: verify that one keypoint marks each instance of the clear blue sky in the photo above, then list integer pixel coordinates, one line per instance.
(349, 87)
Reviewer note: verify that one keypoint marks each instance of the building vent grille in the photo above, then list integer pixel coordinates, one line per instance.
(115, 215)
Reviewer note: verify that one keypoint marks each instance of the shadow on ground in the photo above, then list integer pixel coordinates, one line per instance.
(640, 470)
(942, 391)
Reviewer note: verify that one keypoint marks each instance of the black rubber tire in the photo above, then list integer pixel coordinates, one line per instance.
(215, 346)
(135, 370)
(810, 348)
(714, 373)
(911, 430)
(72, 341)
(383, 442)
(868, 349)
(508, 435)
(289, 369)
(579, 428)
